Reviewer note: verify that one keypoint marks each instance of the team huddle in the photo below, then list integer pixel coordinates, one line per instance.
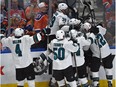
(73, 46)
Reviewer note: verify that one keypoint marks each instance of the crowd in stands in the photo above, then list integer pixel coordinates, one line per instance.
(34, 17)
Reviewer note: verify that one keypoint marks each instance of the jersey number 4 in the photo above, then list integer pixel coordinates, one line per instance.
(18, 50)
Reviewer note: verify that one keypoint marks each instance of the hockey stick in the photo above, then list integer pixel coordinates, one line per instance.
(92, 13)
(74, 56)
(97, 39)
(88, 5)
(75, 13)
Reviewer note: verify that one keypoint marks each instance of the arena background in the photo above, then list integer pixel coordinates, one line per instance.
(7, 70)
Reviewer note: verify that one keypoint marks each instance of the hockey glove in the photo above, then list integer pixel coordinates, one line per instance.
(29, 28)
(94, 30)
(77, 27)
(46, 31)
(75, 42)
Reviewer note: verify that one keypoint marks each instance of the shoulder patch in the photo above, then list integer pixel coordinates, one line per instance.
(39, 16)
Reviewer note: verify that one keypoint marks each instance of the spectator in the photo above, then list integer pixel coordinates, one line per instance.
(41, 19)
(3, 15)
(3, 8)
(3, 21)
(15, 9)
(54, 7)
(31, 11)
(16, 22)
(40, 22)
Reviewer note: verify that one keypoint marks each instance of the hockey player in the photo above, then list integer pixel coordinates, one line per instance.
(100, 55)
(58, 20)
(62, 61)
(20, 45)
(78, 57)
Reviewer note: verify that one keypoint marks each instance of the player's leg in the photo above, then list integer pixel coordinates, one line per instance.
(20, 83)
(31, 83)
(30, 75)
(61, 83)
(108, 65)
(59, 77)
(95, 65)
(88, 57)
(20, 77)
(52, 82)
(69, 74)
(82, 76)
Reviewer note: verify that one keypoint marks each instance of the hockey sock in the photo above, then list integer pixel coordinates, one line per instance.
(53, 80)
(20, 83)
(109, 75)
(95, 78)
(85, 85)
(61, 83)
(72, 84)
(83, 80)
(31, 83)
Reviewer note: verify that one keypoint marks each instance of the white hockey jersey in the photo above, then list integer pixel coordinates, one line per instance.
(58, 19)
(100, 47)
(62, 53)
(20, 48)
(80, 53)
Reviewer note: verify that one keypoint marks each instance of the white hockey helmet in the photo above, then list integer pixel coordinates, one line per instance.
(73, 33)
(60, 34)
(86, 26)
(62, 6)
(18, 32)
(65, 28)
(74, 21)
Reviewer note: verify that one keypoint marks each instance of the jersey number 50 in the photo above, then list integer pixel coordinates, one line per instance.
(59, 53)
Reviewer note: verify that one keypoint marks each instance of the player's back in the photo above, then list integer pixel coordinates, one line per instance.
(20, 48)
(80, 53)
(100, 45)
(57, 20)
(62, 56)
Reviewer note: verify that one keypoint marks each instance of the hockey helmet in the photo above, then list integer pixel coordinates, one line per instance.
(86, 26)
(73, 33)
(18, 32)
(62, 6)
(60, 34)
(74, 21)
(65, 28)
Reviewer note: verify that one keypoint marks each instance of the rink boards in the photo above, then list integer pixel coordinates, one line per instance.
(7, 71)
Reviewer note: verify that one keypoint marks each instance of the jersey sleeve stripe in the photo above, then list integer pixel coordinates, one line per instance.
(35, 38)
